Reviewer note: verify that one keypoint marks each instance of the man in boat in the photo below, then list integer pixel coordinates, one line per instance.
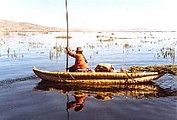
(80, 61)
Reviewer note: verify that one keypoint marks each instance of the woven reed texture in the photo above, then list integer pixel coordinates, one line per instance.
(96, 77)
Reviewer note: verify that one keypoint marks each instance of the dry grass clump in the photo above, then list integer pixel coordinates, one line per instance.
(172, 69)
(63, 37)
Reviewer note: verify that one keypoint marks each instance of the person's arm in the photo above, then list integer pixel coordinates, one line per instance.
(70, 52)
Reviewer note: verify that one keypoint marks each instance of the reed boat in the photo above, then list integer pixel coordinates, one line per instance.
(97, 77)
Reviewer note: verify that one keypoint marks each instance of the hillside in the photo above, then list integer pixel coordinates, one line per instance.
(12, 26)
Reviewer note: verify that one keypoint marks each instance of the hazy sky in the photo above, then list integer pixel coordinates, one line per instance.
(94, 14)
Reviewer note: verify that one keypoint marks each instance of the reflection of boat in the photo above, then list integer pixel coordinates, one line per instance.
(97, 77)
(105, 92)
(80, 92)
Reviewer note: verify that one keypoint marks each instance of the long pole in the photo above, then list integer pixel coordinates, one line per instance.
(67, 24)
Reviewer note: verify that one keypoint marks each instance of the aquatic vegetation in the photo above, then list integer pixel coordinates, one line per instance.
(126, 45)
(112, 33)
(21, 42)
(58, 49)
(125, 38)
(98, 36)
(171, 69)
(21, 34)
(6, 33)
(35, 44)
(107, 40)
(98, 42)
(55, 53)
(8, 50)
(13, 54)
(166, 53)
(33, 33)
(145, 41)
(45, 32)
(63, 37)
(2, 42)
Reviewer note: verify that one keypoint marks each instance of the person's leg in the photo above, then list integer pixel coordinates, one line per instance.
(72, 69)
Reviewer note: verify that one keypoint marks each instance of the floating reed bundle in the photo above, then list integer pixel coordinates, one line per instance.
(171, 69)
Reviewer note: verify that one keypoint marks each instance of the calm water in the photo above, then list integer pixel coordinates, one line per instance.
(23, 96)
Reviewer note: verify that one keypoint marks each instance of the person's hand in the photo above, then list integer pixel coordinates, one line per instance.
(67, 48)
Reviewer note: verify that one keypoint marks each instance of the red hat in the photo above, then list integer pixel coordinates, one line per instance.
(79, 49)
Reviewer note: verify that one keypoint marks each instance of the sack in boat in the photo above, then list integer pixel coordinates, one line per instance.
(83, 70)
(104, 67)
(73, 69)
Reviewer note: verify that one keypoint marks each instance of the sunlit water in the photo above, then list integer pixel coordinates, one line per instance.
(20, 96)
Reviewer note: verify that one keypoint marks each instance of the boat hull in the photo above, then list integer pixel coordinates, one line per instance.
(97, 77)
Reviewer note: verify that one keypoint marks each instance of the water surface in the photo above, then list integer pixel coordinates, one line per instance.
(24, 96)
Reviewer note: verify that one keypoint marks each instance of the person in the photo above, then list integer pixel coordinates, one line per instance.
(80, 61)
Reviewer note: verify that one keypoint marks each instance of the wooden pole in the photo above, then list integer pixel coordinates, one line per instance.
(67, 24)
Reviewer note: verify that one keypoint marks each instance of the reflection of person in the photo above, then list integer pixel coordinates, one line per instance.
(78, 103)
(80, 61)
(103, 97)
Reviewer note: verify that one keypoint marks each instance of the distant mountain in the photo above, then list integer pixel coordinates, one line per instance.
(12, 26)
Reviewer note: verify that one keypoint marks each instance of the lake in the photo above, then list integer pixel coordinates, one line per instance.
(24, 96)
